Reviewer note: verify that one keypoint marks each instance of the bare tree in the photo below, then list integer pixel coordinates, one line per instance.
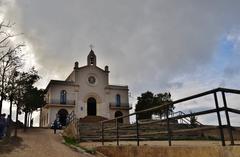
(11, 89)
(5, 40)
(10, 58)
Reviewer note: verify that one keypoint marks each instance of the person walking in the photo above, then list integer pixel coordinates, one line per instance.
(55, 125)
(8, 126)
(2, 125)
(31, 123)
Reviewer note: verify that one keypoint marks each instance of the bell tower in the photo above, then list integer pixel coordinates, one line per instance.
(91, 58)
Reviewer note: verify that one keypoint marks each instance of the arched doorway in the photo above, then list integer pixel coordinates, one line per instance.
(62, 116)
(119, 114)
(91, 107)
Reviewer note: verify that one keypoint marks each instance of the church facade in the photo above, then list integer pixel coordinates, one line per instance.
(86, 92)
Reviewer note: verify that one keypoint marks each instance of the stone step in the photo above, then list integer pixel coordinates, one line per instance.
(92, 131)
(92, 119)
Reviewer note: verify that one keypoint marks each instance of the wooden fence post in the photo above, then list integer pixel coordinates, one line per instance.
(228, 119)
(219, 119)
(137, 129)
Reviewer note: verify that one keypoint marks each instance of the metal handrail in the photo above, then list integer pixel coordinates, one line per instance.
(71, 117)
(167, 105)
(188, 121)
(179, 101)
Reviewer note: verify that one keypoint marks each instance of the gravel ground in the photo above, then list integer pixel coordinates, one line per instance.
(38, 142)
(158, 143)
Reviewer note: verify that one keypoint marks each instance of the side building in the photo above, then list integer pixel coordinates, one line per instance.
(86, 92)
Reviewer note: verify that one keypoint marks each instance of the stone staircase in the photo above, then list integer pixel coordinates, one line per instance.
(92, 119)
(90, 130)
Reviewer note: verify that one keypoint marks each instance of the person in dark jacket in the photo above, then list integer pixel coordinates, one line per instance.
(2, 125)
(8, 126)
(55, 125)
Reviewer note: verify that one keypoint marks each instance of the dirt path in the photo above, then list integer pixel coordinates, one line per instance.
(41, 143)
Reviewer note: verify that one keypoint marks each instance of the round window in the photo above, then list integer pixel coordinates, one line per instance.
(92, 80)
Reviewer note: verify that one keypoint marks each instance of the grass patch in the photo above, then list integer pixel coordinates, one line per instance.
(71, 141)
(89, 150)
(74, 142)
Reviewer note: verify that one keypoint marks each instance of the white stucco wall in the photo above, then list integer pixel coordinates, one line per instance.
(49, 114)
(80, 90)
(111, 96)
(55, 90)
(88, 90)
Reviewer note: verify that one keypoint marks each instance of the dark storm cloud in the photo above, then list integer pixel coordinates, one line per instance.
(147, 44)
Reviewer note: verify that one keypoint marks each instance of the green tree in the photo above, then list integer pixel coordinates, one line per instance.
(29, 95)
(26, 95)
(193, 120)
(148, 100)
(162, 99)
(145, 101)
(33, 99)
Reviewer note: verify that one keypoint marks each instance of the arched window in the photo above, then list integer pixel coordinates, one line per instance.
(118, 100)
(63, 97)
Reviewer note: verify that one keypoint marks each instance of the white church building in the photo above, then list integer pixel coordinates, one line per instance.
(86, 92)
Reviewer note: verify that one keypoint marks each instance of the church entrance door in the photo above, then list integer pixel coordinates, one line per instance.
(62, 115)
(91, 107)
(119, 114)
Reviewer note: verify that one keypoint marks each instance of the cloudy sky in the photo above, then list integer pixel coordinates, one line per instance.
(184, 47)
